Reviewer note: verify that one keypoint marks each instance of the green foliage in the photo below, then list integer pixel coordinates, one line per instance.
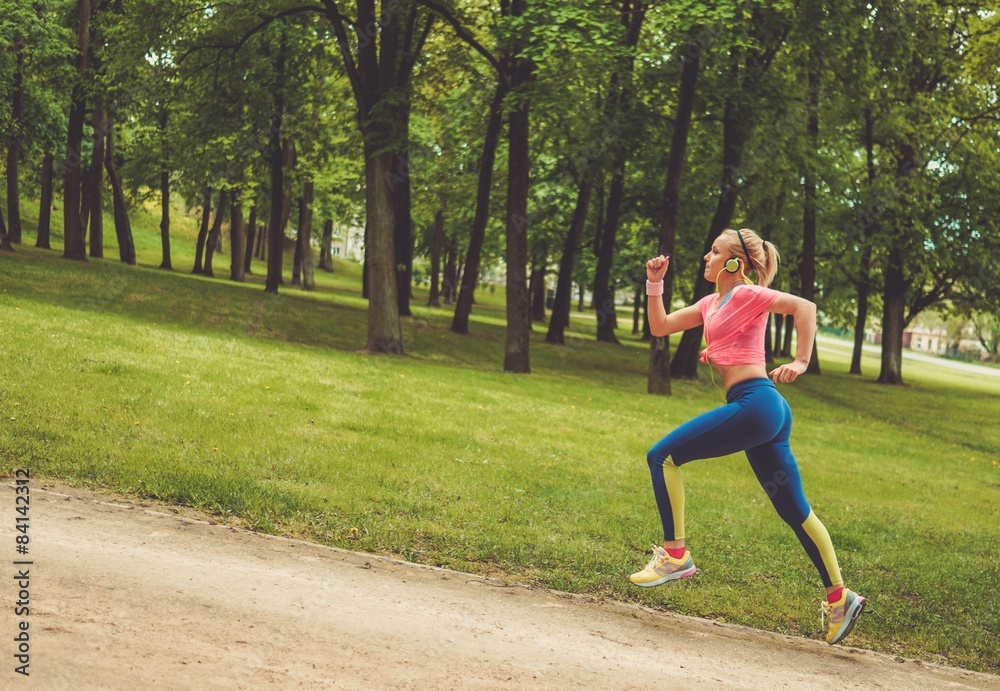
(49, 50)
(192, 89)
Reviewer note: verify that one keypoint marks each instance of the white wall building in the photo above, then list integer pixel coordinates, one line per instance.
(348, 243)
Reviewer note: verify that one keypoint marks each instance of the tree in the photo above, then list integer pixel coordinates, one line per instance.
(72, 227)
(237, 237)
(756, 42)
(930, 137)
(633, 12)
(14, 148)
(658, 380)
(519, 69)
(215, 233)
(494, 122)
(379, 65)
(123, 227)
(564, 284)
(814, 30)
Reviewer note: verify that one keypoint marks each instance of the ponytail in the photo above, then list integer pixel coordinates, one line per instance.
(763, 255)
(769, 267)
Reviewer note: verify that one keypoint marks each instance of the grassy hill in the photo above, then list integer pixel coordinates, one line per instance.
(266, 411)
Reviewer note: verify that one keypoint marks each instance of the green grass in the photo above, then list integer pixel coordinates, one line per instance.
(266, 410)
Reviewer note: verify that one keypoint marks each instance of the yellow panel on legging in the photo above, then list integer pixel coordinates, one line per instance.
(817, 532)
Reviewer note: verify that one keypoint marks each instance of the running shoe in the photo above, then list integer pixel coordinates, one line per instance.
(662, 568)
(843, 614)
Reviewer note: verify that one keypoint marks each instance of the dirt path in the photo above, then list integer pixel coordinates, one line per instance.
(127, 597)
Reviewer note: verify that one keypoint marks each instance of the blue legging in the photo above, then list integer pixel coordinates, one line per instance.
(755, 419)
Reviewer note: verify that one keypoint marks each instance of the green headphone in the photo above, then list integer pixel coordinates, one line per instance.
(732, 265)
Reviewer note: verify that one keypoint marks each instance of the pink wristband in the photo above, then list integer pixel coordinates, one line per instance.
(654, 287)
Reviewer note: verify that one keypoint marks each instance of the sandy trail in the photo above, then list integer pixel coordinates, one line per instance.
(124, 596)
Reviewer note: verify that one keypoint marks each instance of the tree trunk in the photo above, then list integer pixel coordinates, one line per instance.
(399, 185)
(494, 124)
(537, 290)
(896, 284)
(768, 347)
(735, 130)
(384, 329)
(297, 260)
(14, 152)
(893, 309)
(364, 266)
(598, 229)
(859, 327)
(646, 334)
(434, 299)
(863, 283)
(74, 246)
(251, 237)
(45, 205)
(165, 263)
(786, 346)
(518, 341)
(289, 159)
(779, 322)
(807, 262)
(206, 209)
(93, 204)
(263, 242)
(85, 204)
(378, 76)
(564, 283)
(640, 289)
(237, 238)
(123, 227)
(213, 235)
(326, 249)
(4, 240)
(658, 379)
(449, 276)
(604, 297)
(305, 236)
(275, 152)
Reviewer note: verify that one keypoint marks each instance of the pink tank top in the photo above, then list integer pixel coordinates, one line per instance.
(735, 333)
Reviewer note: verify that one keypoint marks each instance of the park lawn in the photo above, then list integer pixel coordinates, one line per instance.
(266, 411)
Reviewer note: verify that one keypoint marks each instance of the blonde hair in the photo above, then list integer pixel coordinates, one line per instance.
(764, 256)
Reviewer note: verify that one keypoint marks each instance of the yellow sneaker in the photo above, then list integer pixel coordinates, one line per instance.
(662, 568)
(843, 614)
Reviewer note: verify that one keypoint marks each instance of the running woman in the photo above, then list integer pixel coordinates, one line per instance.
(756, 418)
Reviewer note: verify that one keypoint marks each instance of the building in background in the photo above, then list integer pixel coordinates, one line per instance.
(348, 243)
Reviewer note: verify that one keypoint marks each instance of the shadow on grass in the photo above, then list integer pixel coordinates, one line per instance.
(333, 318)
(185, 301)
(940, 412)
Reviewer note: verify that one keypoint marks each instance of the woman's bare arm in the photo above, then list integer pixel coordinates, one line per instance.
(663, 324)
(804, 313)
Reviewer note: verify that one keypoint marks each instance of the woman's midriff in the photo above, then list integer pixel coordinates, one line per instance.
(734, 374)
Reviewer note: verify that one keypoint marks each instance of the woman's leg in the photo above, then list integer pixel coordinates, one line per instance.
(719, 432)
(778, 473)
